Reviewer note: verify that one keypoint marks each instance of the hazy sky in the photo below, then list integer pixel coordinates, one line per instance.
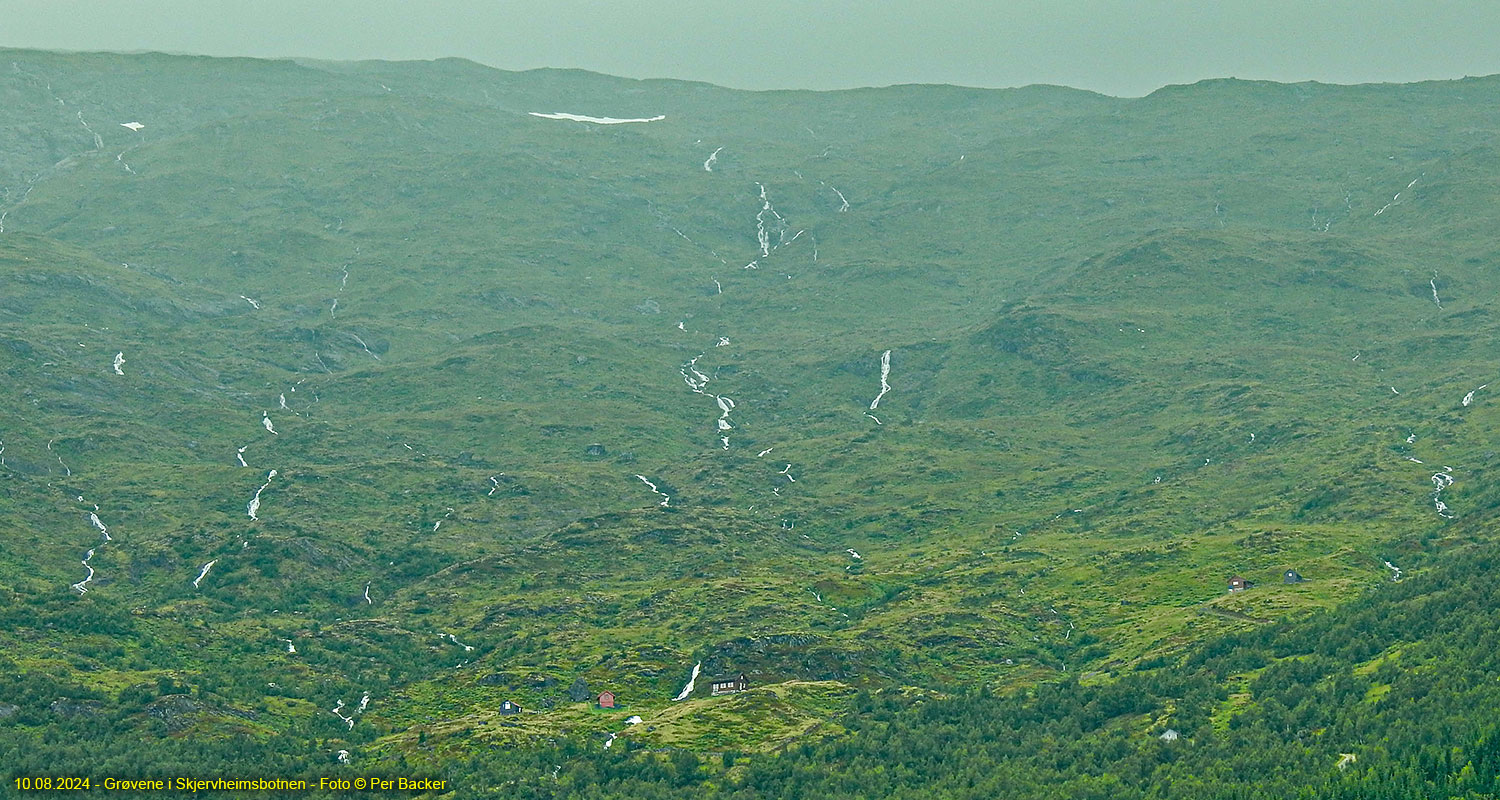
(1120, 47)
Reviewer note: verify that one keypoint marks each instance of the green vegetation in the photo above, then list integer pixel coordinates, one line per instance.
(1136, 347)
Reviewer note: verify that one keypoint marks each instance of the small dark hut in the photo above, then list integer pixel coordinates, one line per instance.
(719, 686)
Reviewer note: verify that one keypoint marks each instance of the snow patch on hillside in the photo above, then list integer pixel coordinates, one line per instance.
(596, 120)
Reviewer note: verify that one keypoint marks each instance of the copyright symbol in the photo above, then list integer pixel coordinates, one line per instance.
(359, 783)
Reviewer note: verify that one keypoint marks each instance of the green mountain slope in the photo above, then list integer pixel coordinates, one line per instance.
(425, 398)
